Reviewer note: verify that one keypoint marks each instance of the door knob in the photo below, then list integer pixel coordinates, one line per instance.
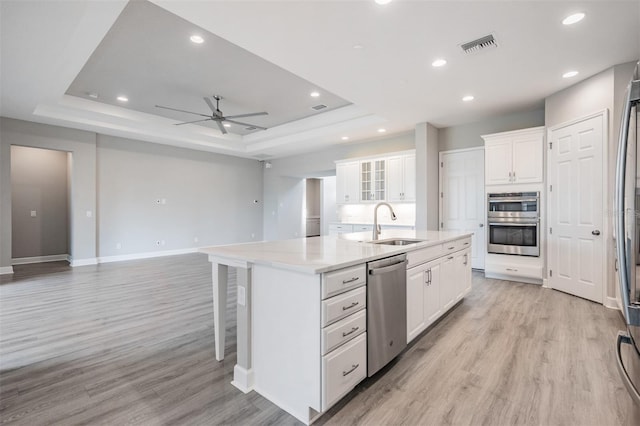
(481, 225)
(596, 232)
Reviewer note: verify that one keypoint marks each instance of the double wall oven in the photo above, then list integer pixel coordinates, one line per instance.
(514, 223)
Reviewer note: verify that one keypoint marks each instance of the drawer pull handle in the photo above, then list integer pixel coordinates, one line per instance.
(450, 248)
(449, 258)
(513, 270)
(350, 280)
(466, 244)
(344, 308)
(353, 330)
(353, 367)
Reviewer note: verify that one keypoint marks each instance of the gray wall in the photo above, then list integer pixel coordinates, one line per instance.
(603, 91)
(202, 195)
(426, 143)
(39, 183)
(82, 146)
(208, 196)
(469, 135)
(284, 181)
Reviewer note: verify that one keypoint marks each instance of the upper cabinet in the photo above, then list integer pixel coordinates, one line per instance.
(373, 179)
(347, 180)
(514, 157)
(385, 178)
(401, 178)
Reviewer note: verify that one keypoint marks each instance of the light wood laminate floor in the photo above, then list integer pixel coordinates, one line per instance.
(132, 343)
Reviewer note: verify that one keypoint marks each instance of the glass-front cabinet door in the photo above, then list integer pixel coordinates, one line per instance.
(373, 180)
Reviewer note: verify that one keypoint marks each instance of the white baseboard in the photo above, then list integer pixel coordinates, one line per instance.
(242, 378)
(39, 259)
(6, 270)
(611, 303)
(83, 262)
(545, 283)
(147, 255)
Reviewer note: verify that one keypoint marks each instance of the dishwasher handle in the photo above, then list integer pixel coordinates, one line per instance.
(385, 269)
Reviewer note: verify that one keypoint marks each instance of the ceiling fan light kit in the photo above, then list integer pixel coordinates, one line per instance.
(217, 116)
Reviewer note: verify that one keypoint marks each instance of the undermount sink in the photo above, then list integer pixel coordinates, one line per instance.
(398, 242)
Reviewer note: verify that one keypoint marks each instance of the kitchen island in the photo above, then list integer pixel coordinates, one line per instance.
(301, 326)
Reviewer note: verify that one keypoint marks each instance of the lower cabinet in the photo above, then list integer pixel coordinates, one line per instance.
(435, 286)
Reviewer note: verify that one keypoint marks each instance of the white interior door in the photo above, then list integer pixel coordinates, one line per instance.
(576, 206)
(462, 206)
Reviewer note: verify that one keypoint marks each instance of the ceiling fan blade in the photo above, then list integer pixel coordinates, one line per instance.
(181, 110)
(221, 127)
(245, 124)
(189, 122)
(211, 105)
(247, 115)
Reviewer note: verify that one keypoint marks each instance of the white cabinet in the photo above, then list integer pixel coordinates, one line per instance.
(373, 178)
(514, 157)
(337, 229)
(401, 178)
(347, 182)
(437, 278)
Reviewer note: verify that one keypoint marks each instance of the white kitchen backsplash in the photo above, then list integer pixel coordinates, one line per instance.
(363, 213)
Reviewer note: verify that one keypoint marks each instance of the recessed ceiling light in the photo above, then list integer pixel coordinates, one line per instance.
(438, 63)
(93, 95)
(468, 98)
(358, 46)
(227, 125)
(345, 138)
(196, 39)
(383, 1)
(569, 74)
(122, 99)
(572, 19)
(314, 94)
(382, 130)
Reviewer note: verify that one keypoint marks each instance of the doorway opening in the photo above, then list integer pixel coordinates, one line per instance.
(40, 205)
(319, 205)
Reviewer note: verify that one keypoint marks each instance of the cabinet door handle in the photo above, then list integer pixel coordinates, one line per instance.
(451, 248)
(509, 176)
(466, 244)
(466, 259)
(512, 270)
(449, 258)
(353, 330)
(353, 367)
(350, 280)
(344, 308)
(514, 176)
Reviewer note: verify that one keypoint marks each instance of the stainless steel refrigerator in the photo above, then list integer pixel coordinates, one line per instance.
(627, 212)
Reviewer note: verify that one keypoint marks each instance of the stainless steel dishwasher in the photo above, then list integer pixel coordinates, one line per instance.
(386, 311)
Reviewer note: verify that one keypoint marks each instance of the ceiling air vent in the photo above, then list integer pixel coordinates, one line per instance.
(318, 107)
(479, 44)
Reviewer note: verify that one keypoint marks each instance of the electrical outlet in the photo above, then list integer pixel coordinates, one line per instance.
(163, 201)
(33, 213)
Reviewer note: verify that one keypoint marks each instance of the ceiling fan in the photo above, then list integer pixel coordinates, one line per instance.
(218, 116)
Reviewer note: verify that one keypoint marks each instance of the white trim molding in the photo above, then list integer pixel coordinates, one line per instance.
(83, 262)
(39, 259)
(243, 378)
(611, 303)
(5, 270)
(146, 255)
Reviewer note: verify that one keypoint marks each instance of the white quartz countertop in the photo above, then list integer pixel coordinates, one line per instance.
(316, 255)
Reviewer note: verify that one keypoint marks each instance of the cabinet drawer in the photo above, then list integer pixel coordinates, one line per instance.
(341, 306)
(456, 245)
(337, 282)
(362, 228)
(343, 331)
(524, 271)
(421, 256)
(340, 229)
(343, 369)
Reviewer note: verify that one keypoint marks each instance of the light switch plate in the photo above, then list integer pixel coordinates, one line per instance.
(33, 213)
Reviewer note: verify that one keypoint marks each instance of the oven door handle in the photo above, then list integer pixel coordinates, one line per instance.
(513, 224)
(511, 200)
